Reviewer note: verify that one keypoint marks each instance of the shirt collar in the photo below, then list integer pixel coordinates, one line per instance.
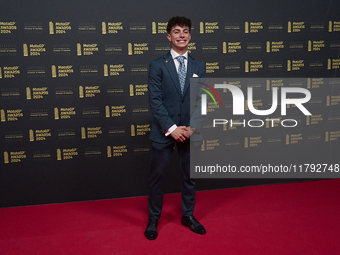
(174, 54)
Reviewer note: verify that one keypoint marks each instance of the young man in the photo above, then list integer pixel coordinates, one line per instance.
(169, 97)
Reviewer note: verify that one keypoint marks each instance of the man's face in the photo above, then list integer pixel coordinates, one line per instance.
(179, 38)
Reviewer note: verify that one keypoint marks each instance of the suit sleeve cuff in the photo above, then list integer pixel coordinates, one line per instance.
(171, 129)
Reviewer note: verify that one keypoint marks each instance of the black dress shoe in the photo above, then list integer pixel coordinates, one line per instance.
(193, 224)
(151, 229)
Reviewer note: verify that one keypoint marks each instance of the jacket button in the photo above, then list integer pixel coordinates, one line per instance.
(179, 115)
(182, 101)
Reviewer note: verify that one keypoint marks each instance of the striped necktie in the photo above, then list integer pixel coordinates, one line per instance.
(181, 72)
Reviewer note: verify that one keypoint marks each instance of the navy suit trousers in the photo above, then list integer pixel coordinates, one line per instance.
(160, 159)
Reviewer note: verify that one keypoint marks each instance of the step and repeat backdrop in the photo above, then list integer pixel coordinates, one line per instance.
(74, 111)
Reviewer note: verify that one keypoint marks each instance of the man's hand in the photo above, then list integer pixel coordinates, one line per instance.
(188, 132)
(180, 134)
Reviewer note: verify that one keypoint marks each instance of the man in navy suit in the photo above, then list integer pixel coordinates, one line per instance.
(169, 97)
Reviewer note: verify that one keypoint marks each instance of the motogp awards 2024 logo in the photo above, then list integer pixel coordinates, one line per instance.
(239, 105)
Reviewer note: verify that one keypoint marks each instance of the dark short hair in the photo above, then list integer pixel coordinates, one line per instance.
(178, 21)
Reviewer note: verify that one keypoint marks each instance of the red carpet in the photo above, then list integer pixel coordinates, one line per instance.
(297, 218)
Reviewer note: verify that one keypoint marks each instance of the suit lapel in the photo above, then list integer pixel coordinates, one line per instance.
(170, 65)
(190, 72)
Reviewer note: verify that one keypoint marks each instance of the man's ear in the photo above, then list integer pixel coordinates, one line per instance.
(169, 37)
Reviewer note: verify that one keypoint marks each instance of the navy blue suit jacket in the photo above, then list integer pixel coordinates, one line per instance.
(168, 105)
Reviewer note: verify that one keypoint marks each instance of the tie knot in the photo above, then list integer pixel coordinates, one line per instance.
(180, 59)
